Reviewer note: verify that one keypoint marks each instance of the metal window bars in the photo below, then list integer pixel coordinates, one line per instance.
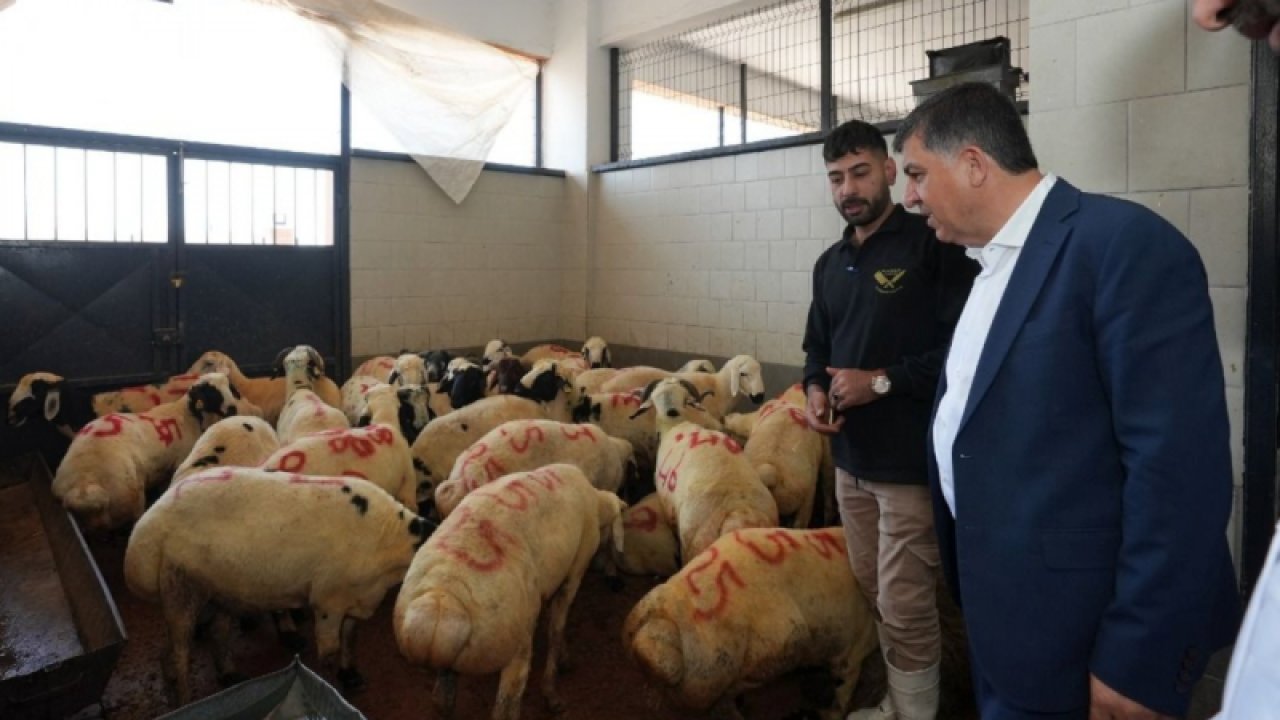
(760, 75)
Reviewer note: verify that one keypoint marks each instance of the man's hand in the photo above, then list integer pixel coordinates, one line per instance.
(1107, 704)
(815, 411)
(851, 387)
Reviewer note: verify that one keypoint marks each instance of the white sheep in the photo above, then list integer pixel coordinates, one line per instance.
(555, 352)
(620, 415)
(255, 541)
(239, 441)
(596, 351)
(415, 404)
(470, 601)
(634, 378)
(377, 452)
(520, 445)
(755, 605)
(707, 486)
(304, 410)
(790, 458)
(446, 437)
(741, 375)
(649, 546)
(113, 460)
(378, 367)
(697, 365)
(740, 425)
(589, 382)
(266, 393)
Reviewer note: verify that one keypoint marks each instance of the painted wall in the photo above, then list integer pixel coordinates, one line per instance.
(524, 25)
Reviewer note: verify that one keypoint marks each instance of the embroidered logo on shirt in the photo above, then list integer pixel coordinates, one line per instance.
(889, 280)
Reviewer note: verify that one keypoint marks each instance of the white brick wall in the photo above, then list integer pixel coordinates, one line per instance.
(427, 273)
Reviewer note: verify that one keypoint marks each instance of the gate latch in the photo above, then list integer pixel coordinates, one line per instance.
(175, 279)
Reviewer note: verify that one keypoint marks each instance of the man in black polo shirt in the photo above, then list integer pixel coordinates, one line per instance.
(886, 298)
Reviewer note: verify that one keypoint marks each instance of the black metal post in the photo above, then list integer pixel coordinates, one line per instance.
(827, 103)
(615, 82)
(742, 98)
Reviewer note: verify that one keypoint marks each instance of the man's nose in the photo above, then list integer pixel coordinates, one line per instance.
(911, 198)
(1212, 14)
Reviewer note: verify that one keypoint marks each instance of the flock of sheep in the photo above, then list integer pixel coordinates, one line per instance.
(485, 488)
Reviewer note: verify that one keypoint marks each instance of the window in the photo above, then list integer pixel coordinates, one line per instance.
(231, 203)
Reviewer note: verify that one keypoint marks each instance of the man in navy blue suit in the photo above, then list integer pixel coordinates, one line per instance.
(1081, 470)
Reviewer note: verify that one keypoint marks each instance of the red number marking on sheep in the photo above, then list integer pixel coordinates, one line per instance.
(222, 475)
(783, 543)
(547, 478)
(724, 575)
(773, 406)
(713, 439)
(624, 399)
(491, 468)
(317, 404)
(560, 350)
(486, 532)
(179, 384)
(115, 421)
(530, 432)
(350, 441)
(573, 432)
(380, 434)
(828, 543)
(644, 519)
(292, 461)
(165, 429)
(668, 473)
(514, 494)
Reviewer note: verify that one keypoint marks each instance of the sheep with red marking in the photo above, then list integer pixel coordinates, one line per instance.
(740, 425)
(791, 458)
(377, 452)
(575, 360)
(415, 404)
(649, 545)
(471, 600)
(304, 410)
(620, 415)
(520, 445)
(707, 486)
(184, 555)
(113, 460)
(267, 393)
(755, 605)
(446, 437)
(238, 441)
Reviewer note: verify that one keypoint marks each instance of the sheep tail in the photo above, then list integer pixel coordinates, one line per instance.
(768, 475)
(435, 630)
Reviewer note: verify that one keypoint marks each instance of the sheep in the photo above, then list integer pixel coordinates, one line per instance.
(741, 375)
(504, 377)
(563, 355)
(415, 404)
(267, 393)
(446, 437)
(707, 486)
(436, 361)
(114, 460)
(649, 546)
(528, 444)
(471, 599)
(756, 604)
(789, 457)
(304, 411)
(589, 382)
(464, 383)
(697, 365)
(548, 383)
(141, 398)
(184, 554)
(634, 378)
(596, 351)
(740, 425)
(238, 441)
(619, 415)
(44, 398)
(494, 351)
(378, 367)
(377, 452)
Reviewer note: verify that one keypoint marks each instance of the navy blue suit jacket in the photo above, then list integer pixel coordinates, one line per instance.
(1092, 467)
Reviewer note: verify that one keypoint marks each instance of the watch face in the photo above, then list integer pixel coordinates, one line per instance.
(880, 384)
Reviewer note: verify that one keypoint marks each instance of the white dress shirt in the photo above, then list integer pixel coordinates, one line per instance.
(997, 259)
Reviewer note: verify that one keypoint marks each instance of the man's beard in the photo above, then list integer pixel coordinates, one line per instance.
(869, 212)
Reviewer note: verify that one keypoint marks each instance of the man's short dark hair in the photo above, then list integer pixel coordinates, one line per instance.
(851, 137)
(971, 114)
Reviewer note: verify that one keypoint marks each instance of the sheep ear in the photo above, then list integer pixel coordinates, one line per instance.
(52, 404)
(393, 377)
(734, 383)
(364, 420)
(608, 359)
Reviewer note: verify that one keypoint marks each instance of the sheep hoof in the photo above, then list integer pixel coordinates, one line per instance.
(351, 679)
(231, 678)
(614, 583)
(293, 641)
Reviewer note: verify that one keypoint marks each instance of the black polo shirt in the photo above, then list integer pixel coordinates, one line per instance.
(891, 303)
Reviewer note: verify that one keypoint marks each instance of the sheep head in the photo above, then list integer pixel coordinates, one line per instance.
(596, 351)
(745, 376)
(212, 394)
(38, 394)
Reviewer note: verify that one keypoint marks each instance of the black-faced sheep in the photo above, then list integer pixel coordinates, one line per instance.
(267, 393)
(470, 601)
(113, 460)
(184, 555)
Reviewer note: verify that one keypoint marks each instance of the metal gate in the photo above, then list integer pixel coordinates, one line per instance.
(111, 302)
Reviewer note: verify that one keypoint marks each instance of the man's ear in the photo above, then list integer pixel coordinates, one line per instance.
(890, 170)
(976, 165)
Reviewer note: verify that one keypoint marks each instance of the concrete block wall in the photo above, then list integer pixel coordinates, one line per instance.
(426, 273)
(1132, 98)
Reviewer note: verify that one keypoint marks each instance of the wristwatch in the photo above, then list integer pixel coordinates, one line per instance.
(880, 385)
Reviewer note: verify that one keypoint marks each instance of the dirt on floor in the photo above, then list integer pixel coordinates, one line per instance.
(601, 681)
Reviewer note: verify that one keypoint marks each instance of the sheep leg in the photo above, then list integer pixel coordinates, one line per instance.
(287, 631)
(445, 693)
(804, 515)
(328, 628)
(351, 678)
(848, 668)
(512, 681)
(557, 652)
(180, 602)
(220, 632)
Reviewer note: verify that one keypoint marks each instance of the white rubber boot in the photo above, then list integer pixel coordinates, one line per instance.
(884, 711)
(915, 694)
